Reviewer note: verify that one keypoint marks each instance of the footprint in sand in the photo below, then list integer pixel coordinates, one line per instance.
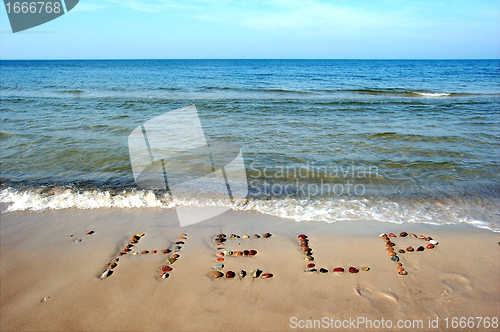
(380, 300)
(456, 283)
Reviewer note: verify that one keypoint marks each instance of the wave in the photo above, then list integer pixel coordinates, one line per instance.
(398, 210)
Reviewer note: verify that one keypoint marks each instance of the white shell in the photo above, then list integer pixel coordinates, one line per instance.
(106, 274)
(434, 242)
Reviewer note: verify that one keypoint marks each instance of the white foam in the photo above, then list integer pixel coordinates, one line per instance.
(329, 210)
(433, 94)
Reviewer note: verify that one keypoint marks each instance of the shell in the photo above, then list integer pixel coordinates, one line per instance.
(302, 236)
(402, 273)
(434, 242)
(392, 235)
(382, 235)
(395, 258)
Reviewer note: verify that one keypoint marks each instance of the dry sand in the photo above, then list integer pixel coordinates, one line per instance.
(39, 259)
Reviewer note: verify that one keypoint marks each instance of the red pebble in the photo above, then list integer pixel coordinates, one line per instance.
(154, 252)
(165, 268)
(353, 270)
(230, 274)
(112, 266)
(430, 246)
(144, 252)
(391, 253)
(237, 253)
(310, 265)
(252, 252)
(266, 275)
(400, 269)
(267, 235)
(392, 235)
(302, 236)
(306, 249)
(166, 251)
(220, 254)
(90, 232)
(220, 259)
(338, 269)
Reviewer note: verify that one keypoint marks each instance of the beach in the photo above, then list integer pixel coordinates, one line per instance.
(50, 279)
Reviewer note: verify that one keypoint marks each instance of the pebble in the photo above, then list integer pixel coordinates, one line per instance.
(145, 252)
(400, 269)
(310, 265)
(338, 269)
(413, 235)
(90, 232)
(421, 237)
(267, 235)
(267, 275)
(79, 240)
(402, 273)
(106, 274)
(398, 264)
(392, 235)
(401, 251)
(246, 252)
(242, 274)
(217, 274)
(390, 249)
(420, 248)
(219, 254)
(178, 247)
(154, 252)
(256, 236)
(171, 260)
(234, 237)
(395, 258)
(230, 274)
(221, 236)
(218, 266)
(165, 268)
(390, 244)
(428, 238)
(383, 235)
(237, 253)
(306, 249)
(252, 252)
(309, 258)
(166, 251)
(353, 270)
(403, 234)
(391, 253)
(182, 238)
(434, 242)
(220, 259)
(255, 273)
(323, 270)
(112, 266)
(365, 268)
(410, 249)
(312, 270)
(179, 242)
(430, 246)
(164, 275)
(246, 236)
(228, 252)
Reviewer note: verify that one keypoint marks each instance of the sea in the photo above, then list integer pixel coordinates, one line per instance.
(399, 141)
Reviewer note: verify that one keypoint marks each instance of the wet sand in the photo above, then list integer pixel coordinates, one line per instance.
(51, 282)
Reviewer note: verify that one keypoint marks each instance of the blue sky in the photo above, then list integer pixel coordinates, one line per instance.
(224, 29)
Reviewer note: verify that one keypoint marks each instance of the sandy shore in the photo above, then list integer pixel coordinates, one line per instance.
(49, 281)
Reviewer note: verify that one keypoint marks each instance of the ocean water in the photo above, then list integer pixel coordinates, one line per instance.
(325, 140)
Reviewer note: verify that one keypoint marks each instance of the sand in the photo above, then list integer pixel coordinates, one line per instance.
(51, 282)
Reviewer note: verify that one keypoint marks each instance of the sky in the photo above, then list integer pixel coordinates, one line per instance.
(255, 29)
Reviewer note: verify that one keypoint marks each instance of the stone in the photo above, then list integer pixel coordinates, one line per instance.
(434, 242)
(306, 249)
(421, 237)
(79, 240)
(390, 249)
(310, 265)
(365, 268)
(246, 252)
(392, 235)
(246, 236)
(234, 237)
(353, 270)
(383, 235)
(90, 232)
(413, 235)
(112, 266)
(218, 266)
(401, 251)
(237, 253)
(165, 268)
(420, 248)
(312, 270)
(230, 274)
(179, 242)
(154, 252)
(242, 274)
(400, 269)
(221, 236)
(391, 253)
(255, 273)
(106, 274)
(256, 236)
(402, 273)
(217, 274)
(176, 256)
(428, 238)
(145, 252)
(164, 275)
(398, 264)
(309, 258)
(266, 275)
(302, 236)
(178, 247)
(220, 259)
(181, 238)
(430, 246)
(219, 254)
(323, 270)
(410, 249)
(166, 251)
(403, 234)
(228, 252)
(171, 260)
(252, 252)
(338, 269)
(389, 244)
(267, 235)
(395, 258)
